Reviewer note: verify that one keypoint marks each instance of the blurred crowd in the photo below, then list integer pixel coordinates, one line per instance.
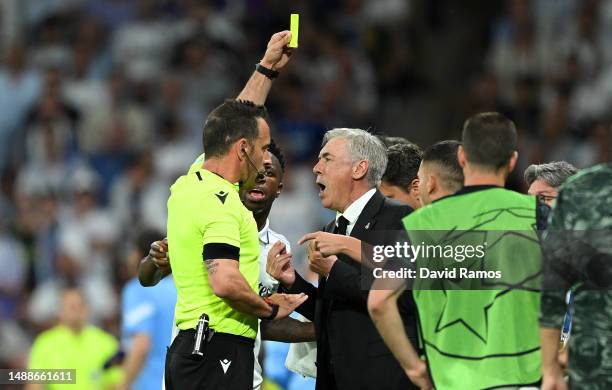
(102, 104)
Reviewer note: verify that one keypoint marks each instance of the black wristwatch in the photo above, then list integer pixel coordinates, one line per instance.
(269, 73)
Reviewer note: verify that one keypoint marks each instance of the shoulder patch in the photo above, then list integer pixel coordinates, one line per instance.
(222, 195)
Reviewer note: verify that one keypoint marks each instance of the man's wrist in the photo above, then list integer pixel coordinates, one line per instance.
(345, 244)
(411, 362)
(267, 71)
(551, 369)
(273, 310)
(268, 64)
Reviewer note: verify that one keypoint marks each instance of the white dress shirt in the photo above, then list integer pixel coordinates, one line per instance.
(353, 211)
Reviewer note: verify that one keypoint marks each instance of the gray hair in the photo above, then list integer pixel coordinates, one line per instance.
(362, 145)
(554, 173)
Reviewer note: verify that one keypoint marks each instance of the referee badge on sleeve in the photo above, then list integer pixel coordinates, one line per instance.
(222, 195)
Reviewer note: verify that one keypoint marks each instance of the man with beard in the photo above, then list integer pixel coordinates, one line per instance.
(217, 309)
(259, 200)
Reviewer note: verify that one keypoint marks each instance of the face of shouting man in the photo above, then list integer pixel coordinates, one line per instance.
(337, 174)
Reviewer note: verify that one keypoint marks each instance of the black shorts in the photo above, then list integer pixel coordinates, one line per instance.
(228, 363)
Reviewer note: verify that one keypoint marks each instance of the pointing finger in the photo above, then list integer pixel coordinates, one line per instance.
(308, 237)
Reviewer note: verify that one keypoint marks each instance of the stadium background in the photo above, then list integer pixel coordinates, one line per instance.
(102, 104)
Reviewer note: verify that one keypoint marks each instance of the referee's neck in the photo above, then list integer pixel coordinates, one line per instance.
(227, 166)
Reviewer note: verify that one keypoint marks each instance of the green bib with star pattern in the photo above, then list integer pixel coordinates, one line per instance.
(475, 337)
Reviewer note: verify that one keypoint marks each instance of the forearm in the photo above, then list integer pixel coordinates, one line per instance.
(386, 317)
(307, 309)
(549, 338)
(149, 274)
(288, 330)
(134, 361)
(239, 295)
(256, 89)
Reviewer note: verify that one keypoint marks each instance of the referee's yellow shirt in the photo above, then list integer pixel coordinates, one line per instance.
(205, 215)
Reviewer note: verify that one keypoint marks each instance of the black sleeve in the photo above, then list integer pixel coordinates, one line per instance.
(345, 281)
(307, 309)
(220, 251)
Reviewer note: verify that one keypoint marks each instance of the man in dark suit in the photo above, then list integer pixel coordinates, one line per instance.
(351, 354)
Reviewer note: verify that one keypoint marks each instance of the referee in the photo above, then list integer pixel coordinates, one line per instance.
(214, 246)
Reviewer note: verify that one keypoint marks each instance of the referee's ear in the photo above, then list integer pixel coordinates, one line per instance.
(241, 148)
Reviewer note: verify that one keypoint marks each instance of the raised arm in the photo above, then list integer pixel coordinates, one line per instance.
(275, 58)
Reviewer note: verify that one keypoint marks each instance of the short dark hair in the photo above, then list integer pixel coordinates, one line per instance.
(403, 164)
(489, 139)
(390, 141)
(277, 152)
(444, 155)
(232, 120)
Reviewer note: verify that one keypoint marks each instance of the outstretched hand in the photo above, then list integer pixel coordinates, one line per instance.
(317, 262)
(326, 243)
(287, 303)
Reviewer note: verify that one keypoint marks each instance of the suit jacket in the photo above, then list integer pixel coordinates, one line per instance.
(351, 354)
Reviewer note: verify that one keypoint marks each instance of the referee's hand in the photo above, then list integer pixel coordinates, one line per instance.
(277, 53)
(287, 303)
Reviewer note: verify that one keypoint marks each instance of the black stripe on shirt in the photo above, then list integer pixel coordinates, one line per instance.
(217, 250)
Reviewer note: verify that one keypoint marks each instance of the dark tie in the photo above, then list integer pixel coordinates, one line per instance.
(341, 226)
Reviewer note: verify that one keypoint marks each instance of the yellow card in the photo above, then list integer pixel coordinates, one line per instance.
(295, 27)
